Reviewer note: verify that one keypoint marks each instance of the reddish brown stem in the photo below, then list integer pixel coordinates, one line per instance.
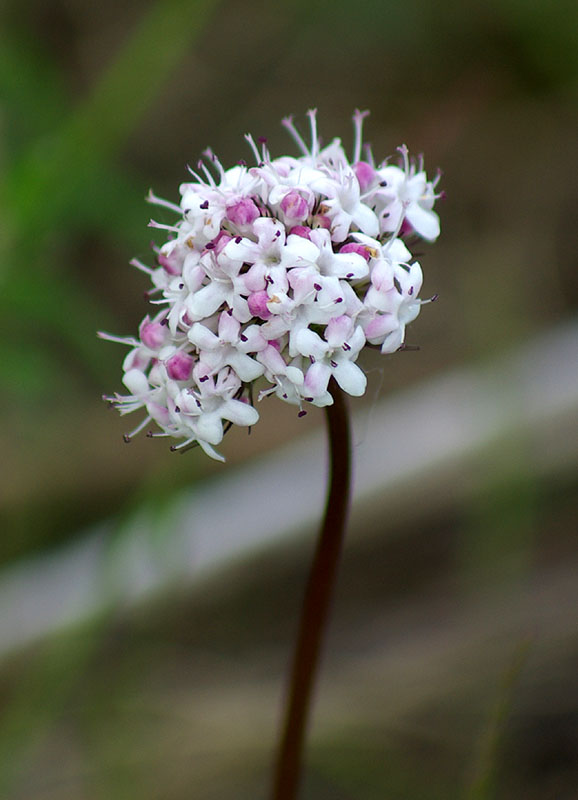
(316, 604)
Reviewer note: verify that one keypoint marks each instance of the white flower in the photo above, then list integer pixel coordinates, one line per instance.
(229, 347)
(333, 356)
(407, 194)
(279, 273)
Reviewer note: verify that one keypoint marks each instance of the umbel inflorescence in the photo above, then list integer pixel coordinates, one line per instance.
(278, 273)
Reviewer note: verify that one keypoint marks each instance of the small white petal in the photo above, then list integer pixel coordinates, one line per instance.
(136, 382)
(350, 377)
(240, 413)
(209, 427)
(309, 343)
(424, 221)
(246, 367)
(202, 337)
(316, 379)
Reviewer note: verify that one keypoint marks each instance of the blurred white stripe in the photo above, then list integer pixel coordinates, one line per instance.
(406, 438)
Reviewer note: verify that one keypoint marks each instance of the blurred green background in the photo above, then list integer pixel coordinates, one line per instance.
(178, 698)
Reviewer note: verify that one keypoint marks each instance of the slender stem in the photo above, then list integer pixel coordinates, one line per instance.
(316, 603)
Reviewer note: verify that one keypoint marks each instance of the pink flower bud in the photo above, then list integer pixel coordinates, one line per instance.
(242, 212)
(360, 249)
(258, 304)
(295, 207)
(152, 334)
(301, 230)
(365, 175)
(179, 366)
(173, 263)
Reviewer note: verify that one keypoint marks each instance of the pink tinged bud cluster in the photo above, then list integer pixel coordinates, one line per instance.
(280, 273)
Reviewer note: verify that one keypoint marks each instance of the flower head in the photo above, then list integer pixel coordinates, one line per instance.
(280, 273)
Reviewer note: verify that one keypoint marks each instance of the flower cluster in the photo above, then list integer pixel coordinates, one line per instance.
(281, 272)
